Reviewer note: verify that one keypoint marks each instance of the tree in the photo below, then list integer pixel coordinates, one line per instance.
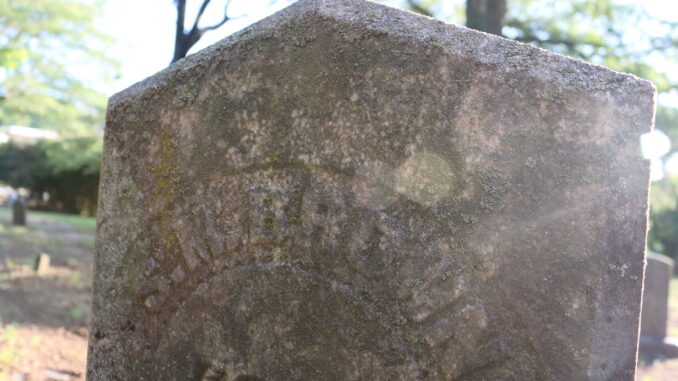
(663, 236)
(51, 53)
(52, 57)
(598, 31)
(66, 169)
(184, 40)
(486, 15)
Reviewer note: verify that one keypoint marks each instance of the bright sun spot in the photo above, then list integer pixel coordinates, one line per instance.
(671, 165)
(654, 145)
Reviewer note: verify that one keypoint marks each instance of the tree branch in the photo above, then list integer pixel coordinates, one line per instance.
(220, 23)
(180, 36)
(215, 26)
(181, 15)
(486, 15)
(204, 5)
(185, 40)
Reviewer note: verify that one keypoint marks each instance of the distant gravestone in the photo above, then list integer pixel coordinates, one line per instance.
(19, 212)
(42, 264)
(658, 273)
(654, 343)
(345, 191)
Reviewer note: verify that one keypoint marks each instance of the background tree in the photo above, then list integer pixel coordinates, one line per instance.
(185, 39)
(186, 36)
(66, 169)
(52, 57)
(486, 15)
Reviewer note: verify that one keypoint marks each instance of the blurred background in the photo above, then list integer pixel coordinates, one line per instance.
(61, 59)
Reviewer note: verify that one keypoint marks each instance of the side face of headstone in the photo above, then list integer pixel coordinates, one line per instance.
(658, 273)
(19, 213)
(346, 191)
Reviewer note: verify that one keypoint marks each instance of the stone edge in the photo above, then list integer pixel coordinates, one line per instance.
(509, 55)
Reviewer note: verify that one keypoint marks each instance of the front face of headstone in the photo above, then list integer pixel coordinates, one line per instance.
(349, 192)
(19, 213)
(658, 273)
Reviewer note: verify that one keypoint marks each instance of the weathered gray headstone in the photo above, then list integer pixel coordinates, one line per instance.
(653, 341)
(19, 212)
(41, 266)
(345, 191)
(658, 275)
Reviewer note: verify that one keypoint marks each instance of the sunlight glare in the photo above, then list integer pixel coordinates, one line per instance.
(654, 144)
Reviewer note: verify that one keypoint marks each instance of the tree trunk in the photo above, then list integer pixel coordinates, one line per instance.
(180, 41)
(486, 15)
(184, 41)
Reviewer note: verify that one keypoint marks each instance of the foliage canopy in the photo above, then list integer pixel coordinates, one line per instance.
(51, 57)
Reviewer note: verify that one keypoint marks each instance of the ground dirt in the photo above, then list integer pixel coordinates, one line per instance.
(43, 335)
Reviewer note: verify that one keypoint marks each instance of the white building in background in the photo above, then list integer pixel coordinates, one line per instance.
(25, 134)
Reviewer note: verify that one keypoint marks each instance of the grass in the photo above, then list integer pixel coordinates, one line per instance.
(86, 241)
(7, 350)
(65, 290)
(77, 223)
(43, 318)
(66, 238)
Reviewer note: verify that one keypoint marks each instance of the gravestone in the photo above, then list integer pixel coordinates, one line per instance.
(658, 273)
(41, 266)
(653, 320)
(19, 212)
(346, 191)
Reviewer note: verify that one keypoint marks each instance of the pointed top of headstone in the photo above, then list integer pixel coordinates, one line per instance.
(361, 18)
